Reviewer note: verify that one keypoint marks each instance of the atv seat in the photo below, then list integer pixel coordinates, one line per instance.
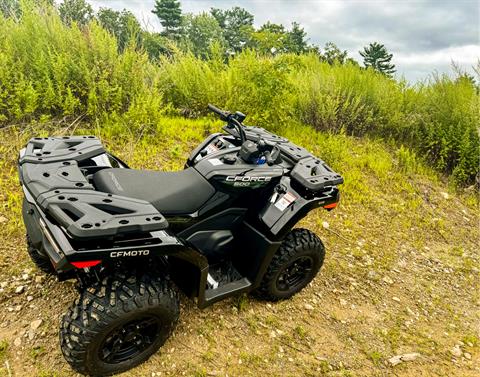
(171, 193)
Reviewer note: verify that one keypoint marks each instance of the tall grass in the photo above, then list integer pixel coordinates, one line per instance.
(49, 70)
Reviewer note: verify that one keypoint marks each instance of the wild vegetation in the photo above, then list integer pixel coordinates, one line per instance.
(50, 69)
(401, 274)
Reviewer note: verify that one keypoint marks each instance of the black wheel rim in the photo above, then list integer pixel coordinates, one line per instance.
(129, 340)
(295, 274)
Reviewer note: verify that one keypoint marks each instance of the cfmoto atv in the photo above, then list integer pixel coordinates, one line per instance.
(222, 226)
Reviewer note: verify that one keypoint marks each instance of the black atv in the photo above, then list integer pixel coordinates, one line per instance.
(218, 228)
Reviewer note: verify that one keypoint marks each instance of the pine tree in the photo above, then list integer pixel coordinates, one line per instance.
(170, 16)
(296, 39)
(375, 55)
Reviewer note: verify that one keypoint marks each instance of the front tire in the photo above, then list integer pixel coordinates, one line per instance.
(294, 265)
(118, 323)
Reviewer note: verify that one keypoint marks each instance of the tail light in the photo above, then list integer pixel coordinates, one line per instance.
(86, 263)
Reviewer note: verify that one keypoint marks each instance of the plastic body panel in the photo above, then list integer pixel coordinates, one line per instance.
(214, 235)
(44, 177)
(279, 219)
(52, 241)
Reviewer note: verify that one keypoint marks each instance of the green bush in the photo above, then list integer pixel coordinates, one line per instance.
(448, 127)
(49, 70)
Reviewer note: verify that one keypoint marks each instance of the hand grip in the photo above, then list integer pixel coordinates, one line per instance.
(216, 110)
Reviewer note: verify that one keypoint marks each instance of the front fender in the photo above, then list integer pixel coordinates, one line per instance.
(285, 210)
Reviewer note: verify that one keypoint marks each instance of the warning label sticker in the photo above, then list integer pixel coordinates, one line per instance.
(285, 201)
(215, 161)
(211, 148)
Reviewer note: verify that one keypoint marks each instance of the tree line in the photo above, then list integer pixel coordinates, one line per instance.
(228, 31)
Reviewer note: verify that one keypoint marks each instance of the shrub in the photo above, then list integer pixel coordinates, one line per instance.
(51, 70)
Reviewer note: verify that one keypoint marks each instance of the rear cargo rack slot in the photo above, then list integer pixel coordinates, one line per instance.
(70, 214)
(110, 209)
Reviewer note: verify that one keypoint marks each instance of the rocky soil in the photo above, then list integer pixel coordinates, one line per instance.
(398, 295)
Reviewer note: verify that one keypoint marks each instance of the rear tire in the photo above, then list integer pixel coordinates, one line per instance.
(118, 323)
(294, 265)
(42, 262)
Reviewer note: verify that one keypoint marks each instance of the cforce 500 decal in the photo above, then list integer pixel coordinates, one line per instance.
(129, 253)
(247, 178)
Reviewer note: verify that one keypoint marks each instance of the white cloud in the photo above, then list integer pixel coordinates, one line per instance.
(460, 54)
(418, 66)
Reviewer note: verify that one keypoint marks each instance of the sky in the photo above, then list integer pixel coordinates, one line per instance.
(424, 36)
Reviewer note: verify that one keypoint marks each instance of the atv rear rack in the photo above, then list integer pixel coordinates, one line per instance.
(66, 252)
(53, 170)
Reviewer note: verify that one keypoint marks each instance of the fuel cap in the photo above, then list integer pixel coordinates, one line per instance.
(229, 159)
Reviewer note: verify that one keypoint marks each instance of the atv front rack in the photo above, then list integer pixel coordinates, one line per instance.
(310, 171)
(315, 174)
(53, 171)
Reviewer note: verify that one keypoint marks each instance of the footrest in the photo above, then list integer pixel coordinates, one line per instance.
(222, 291)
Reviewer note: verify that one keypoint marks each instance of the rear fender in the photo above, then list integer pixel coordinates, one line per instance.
(64, 252)
(37, 232)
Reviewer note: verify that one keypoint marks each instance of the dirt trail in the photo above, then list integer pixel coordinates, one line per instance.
(401, 276)
(376, 297)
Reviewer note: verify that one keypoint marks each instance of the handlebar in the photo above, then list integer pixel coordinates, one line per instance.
(224, 115)
(235, 121)
(272, 157)
(231, 119)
